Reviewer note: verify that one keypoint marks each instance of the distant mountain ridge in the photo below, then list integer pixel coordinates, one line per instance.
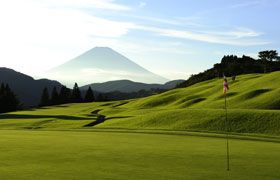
(102, 64)
(128, 86)
(27, 89)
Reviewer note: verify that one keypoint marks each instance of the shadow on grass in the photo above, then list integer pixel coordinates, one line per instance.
(96, 111)
(255, 93)
(102, 118)
(60, 106)
(107, 104)
(35, 109)
(192, 102)
(25, 116)
(229, 94)
(42, 108)
(123, 103)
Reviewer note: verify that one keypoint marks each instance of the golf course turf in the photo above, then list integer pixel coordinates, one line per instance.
(178, 134)
(115, 155)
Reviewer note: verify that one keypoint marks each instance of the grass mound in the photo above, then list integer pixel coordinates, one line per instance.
(253, 107)
(255, 93)
(191, 102)
(260, 89)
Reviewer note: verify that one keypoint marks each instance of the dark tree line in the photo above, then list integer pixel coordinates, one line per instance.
(8, 100)
(231, 66)
(117, 95)
(65, 95)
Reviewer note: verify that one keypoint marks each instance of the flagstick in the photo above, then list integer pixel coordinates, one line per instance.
(227, 131)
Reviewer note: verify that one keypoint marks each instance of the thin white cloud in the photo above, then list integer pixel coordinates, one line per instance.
(243, 32)
(158, 20)
(212, 38)
(239, 32)
(175, 21)
(237, 37)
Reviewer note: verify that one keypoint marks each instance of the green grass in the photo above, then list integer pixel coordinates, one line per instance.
(173, 135)
(116, 155)
(253, 91)
(253, 107)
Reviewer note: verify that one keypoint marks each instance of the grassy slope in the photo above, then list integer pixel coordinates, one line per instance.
(253, 91)
(253, 108)
(253, 102)
(82, 155)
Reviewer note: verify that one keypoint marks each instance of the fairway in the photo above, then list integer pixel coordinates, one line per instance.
(178, 134)
(117, 155)
(253, 107)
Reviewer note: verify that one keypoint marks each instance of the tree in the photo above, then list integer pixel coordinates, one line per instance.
(54, 97)
(64, 95)
(8, 100)
(76, 94)
(45, 98)
(12, 103)
(268, 55)
(89, 97)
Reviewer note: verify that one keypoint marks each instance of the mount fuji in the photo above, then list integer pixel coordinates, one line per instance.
(102, 64)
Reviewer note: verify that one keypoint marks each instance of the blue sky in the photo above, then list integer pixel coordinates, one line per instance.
(173, 38)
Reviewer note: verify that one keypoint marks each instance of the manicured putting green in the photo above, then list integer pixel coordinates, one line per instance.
(27, 154)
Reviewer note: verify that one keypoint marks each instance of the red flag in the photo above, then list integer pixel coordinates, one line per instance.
(226, 87)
